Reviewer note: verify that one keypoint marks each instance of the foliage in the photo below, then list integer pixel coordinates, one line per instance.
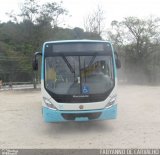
(139, 38)
(25, 34)
(94, 22)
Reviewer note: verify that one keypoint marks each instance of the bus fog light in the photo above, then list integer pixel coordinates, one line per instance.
(48, 103)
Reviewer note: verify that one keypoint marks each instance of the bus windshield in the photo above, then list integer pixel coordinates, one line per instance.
(79, 75)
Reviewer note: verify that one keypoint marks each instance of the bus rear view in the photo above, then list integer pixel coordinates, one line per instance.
(78, 80)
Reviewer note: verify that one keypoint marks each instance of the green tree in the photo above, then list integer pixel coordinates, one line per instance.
(94, 22)
(51, 13)
(139, 38)
(30, 10)
(20, 38)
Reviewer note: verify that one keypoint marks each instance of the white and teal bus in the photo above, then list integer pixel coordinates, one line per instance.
(78, 80)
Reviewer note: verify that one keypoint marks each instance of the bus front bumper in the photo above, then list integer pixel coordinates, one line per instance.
(50, 115)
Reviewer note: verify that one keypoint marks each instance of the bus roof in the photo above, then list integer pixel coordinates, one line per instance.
(82, 40)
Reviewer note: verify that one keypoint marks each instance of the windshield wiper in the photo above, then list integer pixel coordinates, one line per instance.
(68, 64)
(70, 67)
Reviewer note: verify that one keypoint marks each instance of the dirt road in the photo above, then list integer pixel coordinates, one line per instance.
(137, 125)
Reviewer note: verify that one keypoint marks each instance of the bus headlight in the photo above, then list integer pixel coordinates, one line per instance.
(48, 103)
(111, 101)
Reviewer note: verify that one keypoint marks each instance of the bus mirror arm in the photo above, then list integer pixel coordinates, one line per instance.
(118, 62)
(35, 61)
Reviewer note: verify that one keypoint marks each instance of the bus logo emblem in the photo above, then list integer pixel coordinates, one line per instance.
(81, 107)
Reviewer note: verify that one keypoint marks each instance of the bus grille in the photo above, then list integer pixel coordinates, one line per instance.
(72, 116)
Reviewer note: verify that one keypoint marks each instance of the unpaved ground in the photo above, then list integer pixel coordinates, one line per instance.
(137, 125)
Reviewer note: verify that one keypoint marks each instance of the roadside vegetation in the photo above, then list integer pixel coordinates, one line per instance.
(136, 40)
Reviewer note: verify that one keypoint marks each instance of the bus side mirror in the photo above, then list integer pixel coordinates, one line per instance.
(35, 65)
(35, 61)
(118, 62)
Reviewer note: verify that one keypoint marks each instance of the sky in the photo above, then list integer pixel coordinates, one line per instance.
(79, 9)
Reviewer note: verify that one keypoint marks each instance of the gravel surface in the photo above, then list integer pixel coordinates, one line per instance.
(137, 125)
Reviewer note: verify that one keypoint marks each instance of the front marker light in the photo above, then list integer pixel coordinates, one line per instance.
(48, 103)
(111, 101)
